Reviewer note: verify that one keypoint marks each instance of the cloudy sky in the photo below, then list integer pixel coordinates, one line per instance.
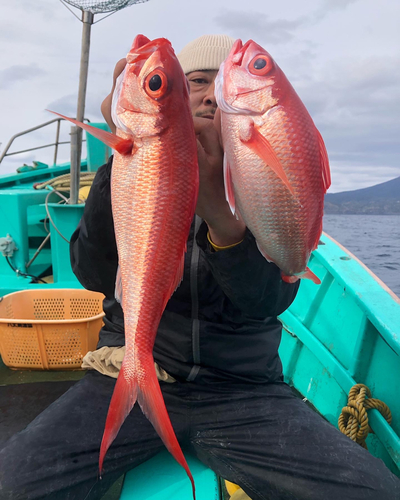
(342, 57)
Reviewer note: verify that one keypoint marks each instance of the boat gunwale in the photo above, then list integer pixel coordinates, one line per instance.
(372, 290)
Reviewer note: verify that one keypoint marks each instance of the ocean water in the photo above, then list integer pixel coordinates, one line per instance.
(374, 239)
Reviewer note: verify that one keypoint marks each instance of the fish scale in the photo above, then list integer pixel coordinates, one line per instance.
(276, 166)
(154, 188)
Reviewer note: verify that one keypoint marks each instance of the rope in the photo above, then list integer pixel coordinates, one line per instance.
(353, 420)
(63, 182)
(46, 201)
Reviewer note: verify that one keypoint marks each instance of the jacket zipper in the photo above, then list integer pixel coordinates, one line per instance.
(194, 292)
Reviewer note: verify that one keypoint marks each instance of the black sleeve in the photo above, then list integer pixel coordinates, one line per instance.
(93, 249)
(252, 284)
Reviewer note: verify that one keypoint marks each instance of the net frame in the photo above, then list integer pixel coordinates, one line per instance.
(89, 8)
(102, 6)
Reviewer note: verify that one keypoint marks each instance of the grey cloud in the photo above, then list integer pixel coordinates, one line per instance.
(13, 74)
(10, 34)
(331, 5)
(258, 26)
(353, 103)
(337, 4)
(8, 31)
(47, 8)
(359, 176)
(67, 105)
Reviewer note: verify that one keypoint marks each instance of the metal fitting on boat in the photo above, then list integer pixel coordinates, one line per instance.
(7, 246)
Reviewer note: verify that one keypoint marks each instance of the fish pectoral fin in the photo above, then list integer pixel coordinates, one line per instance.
(307, 274)
(262, 148)
(229, 192)
(118, 286)
(323, 154)
(122, 146)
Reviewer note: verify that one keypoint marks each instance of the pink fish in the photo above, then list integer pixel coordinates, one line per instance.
(154, 188)
(276, 167)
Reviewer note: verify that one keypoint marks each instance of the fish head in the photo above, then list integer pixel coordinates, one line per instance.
(149, 89)
(249, 80)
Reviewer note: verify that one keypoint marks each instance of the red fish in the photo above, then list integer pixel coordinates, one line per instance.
(154, 188)
(276, 167)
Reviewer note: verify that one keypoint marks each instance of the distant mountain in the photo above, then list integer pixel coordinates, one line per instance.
(381, 199)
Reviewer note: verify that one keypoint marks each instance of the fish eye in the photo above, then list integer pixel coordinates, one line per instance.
(260, 65)
(156, 84)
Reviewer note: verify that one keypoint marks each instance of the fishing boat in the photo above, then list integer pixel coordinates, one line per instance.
(343, 332)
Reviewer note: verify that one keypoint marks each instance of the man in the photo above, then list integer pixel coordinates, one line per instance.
(217, 354)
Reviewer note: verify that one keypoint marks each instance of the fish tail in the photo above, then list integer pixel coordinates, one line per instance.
(148, 393)
(122, 401)
(152, 404)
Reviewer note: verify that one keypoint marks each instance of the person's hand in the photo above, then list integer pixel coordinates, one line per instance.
(106, 104)
(212, 206)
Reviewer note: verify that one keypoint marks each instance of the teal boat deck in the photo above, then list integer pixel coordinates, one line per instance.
(343, 332)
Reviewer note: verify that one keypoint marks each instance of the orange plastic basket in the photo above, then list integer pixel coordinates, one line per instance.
(49, 329)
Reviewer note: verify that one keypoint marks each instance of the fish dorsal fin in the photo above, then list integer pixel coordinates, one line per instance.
(179, 274)
(262, 148)
(118, 286)
(229, 192)
(326, 173)
(122, 146)
(177, 279)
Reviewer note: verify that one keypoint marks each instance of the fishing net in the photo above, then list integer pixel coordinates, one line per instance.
(102, 6)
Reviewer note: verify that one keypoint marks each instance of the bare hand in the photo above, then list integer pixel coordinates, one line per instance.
(212, 206)
(106, 104)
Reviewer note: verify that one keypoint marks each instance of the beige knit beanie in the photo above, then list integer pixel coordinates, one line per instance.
(206, 52)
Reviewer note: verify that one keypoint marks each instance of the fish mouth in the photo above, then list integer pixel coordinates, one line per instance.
(132, 109)
(247, 92)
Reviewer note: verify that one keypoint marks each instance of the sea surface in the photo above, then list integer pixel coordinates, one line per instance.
(374, 239)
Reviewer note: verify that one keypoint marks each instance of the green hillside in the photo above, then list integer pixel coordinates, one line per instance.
(381, 199)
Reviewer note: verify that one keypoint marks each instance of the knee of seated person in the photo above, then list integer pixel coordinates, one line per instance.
(380, 484)
(389, 488)
(12, 487)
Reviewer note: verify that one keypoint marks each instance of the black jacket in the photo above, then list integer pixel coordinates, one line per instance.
(221, 323)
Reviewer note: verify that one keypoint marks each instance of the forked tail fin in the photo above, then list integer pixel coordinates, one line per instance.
(122, 401)
(151, 401)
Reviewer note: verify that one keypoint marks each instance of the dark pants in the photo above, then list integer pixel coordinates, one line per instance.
(262, 437)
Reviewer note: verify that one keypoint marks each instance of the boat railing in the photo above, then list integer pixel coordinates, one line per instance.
(29, 130)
